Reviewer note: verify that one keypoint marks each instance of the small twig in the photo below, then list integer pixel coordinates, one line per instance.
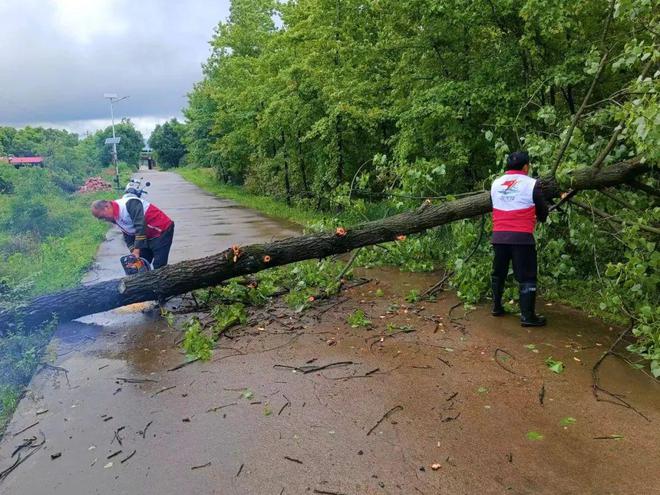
(347, 267)
(217, 408)
(144, 432)
(114, 454)
(297, 461)
(128, 457)
(348, 377)
(451, 418)
(163, 390)
(57, 369)
(184, 364)
(542, 394)
(288, 403)
(239, 470)
(435, 287)
(117, 437)
(26, 428)
(312, 369)
(326, 492)
(596, 388)
(200, 467)
(452, 396)
(384, 417)
(500, 364)
(20, 460)
(135, 380)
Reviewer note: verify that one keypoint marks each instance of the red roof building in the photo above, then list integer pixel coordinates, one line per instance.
(17, 161)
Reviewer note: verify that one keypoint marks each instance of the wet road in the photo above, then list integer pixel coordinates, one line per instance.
(133, 343)
(463, 393)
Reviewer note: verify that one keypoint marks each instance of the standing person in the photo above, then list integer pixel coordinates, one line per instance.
(148, 232)
(517, 203)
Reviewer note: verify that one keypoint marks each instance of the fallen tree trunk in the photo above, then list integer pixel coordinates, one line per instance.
(183, 277)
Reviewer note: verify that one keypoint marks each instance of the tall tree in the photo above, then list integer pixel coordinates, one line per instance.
(128, 150)
(166, 141)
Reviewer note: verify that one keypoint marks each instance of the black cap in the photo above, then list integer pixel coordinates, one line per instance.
(517, 160)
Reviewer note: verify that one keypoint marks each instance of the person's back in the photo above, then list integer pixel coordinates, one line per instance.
(517, 203)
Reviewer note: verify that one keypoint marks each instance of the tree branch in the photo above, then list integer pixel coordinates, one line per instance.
(577, 116)
(607, 216)
(185, 276)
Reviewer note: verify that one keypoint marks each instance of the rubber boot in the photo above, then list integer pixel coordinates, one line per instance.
(528, 317)
(497, 285)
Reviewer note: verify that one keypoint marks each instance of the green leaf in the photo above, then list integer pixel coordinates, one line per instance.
(247, 394)
(380, 292)
(655, 368)
(358, 319)
(534, 436)
(567, 421)
(482, 390)
(554, 366)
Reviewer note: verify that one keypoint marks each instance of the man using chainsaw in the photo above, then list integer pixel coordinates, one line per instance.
(518, 203)
(148, 232)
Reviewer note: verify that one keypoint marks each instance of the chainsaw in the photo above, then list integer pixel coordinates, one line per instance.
(133, 265)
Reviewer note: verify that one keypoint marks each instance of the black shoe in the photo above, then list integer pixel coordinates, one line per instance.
(528, 317)
(497, 285)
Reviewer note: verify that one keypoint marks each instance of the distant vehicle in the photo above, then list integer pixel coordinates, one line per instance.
(147, 159)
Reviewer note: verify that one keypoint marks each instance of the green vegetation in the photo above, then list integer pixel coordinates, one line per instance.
(128, 150)
(554, 365)
(358, 318)
(197, 344)
(356, 109)
(207, 179)
(166, 141)
(567, 421)
(534, 436)
(48, 238)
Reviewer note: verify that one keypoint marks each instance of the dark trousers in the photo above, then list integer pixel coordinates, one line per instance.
(523, 257)
(158, 251)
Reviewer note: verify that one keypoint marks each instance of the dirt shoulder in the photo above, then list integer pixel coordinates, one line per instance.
(248, 422)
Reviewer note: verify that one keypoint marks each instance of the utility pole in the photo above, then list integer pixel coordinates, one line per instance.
(114, 141)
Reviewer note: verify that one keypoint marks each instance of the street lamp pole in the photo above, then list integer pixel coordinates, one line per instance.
(114, 99)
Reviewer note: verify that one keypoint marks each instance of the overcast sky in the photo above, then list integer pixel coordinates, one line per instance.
(58, 58)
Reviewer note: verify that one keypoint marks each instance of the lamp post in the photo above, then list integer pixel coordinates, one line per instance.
(112, 97)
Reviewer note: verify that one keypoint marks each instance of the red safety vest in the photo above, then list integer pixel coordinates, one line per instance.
(513, 203)
(157, 221)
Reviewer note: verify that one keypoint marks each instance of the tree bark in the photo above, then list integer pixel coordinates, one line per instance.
(183, 277)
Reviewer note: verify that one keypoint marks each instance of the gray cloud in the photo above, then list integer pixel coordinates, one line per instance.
(58, 57)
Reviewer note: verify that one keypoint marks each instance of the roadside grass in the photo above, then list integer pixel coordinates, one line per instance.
(205, 178)
(48, 240)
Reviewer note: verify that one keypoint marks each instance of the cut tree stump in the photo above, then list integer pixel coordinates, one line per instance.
(188, 275)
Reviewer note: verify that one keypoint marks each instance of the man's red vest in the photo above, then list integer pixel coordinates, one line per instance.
(157, 222)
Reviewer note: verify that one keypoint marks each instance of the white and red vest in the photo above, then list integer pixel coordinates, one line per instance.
(156, 221)
(513, 202)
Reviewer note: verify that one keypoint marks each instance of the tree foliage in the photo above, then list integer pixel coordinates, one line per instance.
(407, 99)
(166, 141)
(128, 150)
